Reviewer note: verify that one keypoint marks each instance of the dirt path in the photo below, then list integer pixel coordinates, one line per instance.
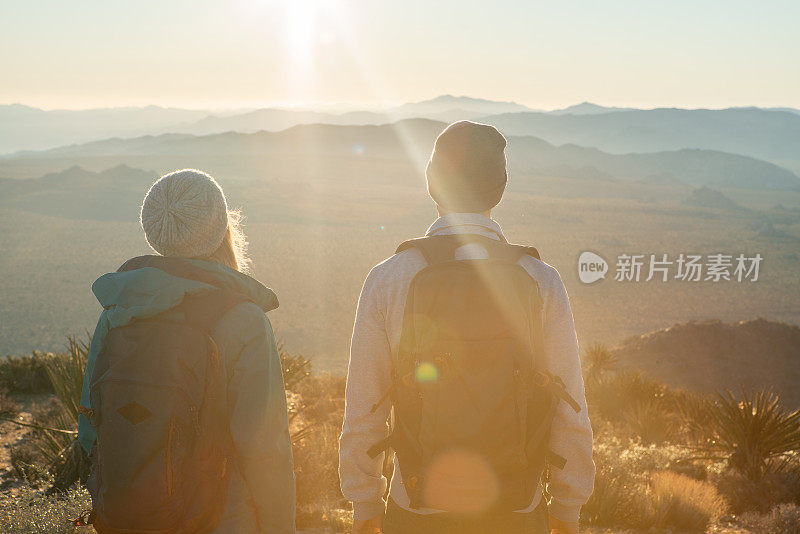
(13, 435)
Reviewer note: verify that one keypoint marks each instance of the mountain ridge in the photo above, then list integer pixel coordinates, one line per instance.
(712, 355)
(528, 154)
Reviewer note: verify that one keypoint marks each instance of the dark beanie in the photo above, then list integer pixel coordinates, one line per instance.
(467, 169)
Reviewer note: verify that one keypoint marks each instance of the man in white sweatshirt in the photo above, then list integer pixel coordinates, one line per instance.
(466, 178)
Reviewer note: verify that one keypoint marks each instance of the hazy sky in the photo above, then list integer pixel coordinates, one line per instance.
(238, 53)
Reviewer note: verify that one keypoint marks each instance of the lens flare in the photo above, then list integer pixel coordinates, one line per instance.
(460, 481)
(426, 372)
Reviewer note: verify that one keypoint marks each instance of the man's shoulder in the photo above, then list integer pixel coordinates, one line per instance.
(545, 274)
(396, 269)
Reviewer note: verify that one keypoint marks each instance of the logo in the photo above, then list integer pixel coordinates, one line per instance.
(591, 267)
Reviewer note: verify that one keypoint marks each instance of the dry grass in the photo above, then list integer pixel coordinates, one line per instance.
(649, 474)
(684, 503)
(782, 519)
(26, 374)
(33, 512)
(748, 496)
(8, 406)
(320, 503)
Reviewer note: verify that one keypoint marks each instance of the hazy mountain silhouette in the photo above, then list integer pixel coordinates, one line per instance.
(705, 197)
(769, 135)
(27, 128)
(689, 166)
(75, 193)
(275, 120)
(787, 110)
(773, 135)
(412, 139)
(711, 355)
(446, 108)
(24, 127)
(586, 108)
(445, 103)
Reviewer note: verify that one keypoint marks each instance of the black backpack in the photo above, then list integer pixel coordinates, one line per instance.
(158, 395)
(472, 408)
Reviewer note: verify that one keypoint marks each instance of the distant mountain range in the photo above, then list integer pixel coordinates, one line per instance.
(586, 108)
(75, 193)
(413, 138)
(768, 135)
(27, 128)
(446, 108)
(771, 134)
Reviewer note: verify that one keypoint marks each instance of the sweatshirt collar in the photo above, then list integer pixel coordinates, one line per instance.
(465, 223)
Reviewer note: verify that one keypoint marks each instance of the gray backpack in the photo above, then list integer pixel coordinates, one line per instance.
(472, 406)
(158, 395)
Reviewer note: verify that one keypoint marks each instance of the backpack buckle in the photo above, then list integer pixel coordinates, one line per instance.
(88, 413)
(541, 379)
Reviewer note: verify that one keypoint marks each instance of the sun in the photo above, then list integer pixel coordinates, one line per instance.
(300, 26)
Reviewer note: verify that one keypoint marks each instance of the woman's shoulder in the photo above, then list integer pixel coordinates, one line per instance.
(241, 324)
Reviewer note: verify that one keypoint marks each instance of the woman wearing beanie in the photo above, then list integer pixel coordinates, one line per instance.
(183, 406)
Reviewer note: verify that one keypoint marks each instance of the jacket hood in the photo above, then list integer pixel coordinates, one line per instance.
(149, 285)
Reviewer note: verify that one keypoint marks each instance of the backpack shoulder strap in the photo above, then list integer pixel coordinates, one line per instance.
(439, 249)
(527, 251)
(435, 249)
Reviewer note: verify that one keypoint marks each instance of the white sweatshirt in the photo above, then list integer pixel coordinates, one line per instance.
(374, 348)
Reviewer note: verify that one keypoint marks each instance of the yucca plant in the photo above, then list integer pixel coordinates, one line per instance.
(295, 368)
(66, 457)
(753, 432)
(694, 412)
(66, 375)
(599, 359)
(650, 420)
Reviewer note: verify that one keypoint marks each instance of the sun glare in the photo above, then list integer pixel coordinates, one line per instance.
(300, 28)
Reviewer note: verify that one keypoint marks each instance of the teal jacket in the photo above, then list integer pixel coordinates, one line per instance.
(261, 496)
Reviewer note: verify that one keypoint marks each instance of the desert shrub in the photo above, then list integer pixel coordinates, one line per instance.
(26, 374)
(316, 453)
(65, 457)
(691, 467)
(8, 406)
(611, 395)
(782, 519)
(752, 433)
(34, 512)
(51, 431)
(613, 500)
(319, 500)
(65, 373)
(295, 367)
(598, 359)
(623, 478)
(649, 420)
(26, 459)
(693, 413)
(682, 502)
(746, 495)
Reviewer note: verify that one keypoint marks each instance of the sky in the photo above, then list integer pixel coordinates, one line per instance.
(371, 53)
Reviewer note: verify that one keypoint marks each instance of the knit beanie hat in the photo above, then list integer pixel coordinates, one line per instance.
(467, 169)
(185, 214)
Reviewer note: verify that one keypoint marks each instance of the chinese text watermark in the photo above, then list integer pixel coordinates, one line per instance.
(663, 267)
